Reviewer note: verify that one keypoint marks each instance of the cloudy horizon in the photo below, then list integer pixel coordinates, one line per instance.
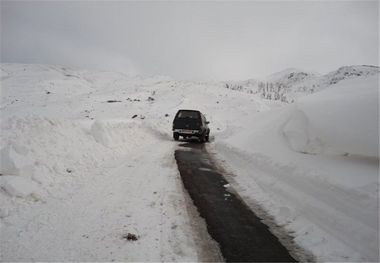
(192, 40)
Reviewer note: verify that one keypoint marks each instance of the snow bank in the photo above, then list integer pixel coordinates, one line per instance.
(125, 135)
(52, 152)
(340, 120)
(346, 116)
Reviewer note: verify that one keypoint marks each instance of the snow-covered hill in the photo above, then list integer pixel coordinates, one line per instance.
(88, 157)
(290, 84)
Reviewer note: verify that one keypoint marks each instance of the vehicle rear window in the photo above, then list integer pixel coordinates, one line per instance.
(188, 114)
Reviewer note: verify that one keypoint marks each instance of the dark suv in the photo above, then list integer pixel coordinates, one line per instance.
(190, 123)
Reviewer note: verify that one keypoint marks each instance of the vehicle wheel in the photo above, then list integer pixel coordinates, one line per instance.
(207, 138)
(175, 136)
(202, 138)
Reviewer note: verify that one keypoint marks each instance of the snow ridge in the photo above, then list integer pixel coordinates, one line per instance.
(290, 84)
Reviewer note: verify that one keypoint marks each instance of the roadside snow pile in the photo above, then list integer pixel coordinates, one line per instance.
(340, 120)
(313, 166)
(345, 117)
(58, 153)
(121, 136)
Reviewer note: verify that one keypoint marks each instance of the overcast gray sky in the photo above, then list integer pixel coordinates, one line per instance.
(192, 40)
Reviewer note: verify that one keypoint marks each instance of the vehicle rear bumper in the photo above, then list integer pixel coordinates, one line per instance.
(185, 132)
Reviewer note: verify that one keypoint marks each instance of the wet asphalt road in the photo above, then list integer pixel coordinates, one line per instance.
(240, 233)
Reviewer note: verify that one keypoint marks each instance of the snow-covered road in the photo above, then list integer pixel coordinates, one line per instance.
(87, 157)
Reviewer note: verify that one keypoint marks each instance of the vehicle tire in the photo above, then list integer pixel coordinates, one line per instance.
(207, 138)
(202, 138)
(175, 136)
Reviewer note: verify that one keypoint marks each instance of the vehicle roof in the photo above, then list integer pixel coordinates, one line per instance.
(189, 110)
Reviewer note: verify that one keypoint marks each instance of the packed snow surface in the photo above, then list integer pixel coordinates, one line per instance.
(87, 158)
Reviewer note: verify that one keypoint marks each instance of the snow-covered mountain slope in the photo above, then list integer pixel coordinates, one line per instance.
(348, 72)
(88, 157)
(290, 84)
(291, 76)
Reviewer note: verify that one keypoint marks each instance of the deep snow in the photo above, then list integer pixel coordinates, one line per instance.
(78, 172)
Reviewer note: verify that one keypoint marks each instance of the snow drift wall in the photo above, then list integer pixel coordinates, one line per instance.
(341, 120)
(42, 153)
(346, 116)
